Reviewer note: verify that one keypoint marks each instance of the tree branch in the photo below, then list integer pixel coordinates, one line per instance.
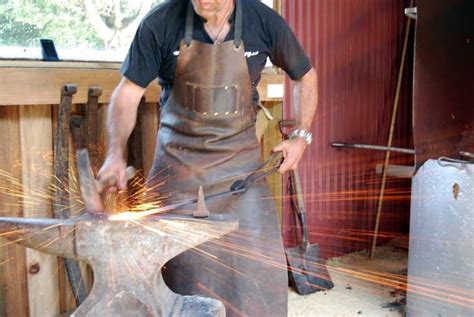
(102, 30)
(132, 27)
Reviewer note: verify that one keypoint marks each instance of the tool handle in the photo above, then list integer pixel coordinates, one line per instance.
(300, 210)
(266, 168)
(111, 181)
(283, 124)
(295, 186)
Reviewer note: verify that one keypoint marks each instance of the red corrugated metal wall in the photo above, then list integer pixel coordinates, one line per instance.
(355, 46)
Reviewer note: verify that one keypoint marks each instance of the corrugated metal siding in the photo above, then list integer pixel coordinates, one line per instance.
(355, 47)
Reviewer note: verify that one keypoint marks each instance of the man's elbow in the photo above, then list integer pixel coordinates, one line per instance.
(128, 90)
(310, 78)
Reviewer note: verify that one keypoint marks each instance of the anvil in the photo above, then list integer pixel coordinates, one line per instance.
(126, 257)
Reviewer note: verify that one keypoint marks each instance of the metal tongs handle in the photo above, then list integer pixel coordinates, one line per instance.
(266, 168)
(239, 186)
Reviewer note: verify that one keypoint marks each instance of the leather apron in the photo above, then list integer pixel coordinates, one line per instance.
(207, 138)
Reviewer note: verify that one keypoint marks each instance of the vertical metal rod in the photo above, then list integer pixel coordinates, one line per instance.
(92, 141)
(92, 109)
(390, 136)
(61, 196)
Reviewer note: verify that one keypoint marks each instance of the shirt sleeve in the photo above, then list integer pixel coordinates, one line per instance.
(143, 60)
(287, 52)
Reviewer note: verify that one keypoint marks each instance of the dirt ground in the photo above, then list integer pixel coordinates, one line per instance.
(363, 287)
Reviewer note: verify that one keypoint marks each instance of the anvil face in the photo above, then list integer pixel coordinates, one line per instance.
(126, 257)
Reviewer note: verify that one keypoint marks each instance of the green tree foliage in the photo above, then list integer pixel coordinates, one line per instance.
(92, 24)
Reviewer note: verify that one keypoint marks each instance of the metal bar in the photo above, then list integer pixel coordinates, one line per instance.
(61, 195)
(92, 135)
(373, 147)
(92, 141)
(467, 154)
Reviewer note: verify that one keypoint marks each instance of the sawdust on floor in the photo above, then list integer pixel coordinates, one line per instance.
(363, 287)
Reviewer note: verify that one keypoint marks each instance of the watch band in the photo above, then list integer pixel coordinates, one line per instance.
(300, 133)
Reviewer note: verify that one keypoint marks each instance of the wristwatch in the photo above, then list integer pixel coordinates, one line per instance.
(299, 133)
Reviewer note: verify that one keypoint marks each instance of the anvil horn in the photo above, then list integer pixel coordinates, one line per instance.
(53, 236)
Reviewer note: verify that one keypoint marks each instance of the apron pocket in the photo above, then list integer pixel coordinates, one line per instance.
(213, 100)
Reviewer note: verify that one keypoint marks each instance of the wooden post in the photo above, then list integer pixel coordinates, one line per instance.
(135, 157)
(150, 122)
(271, 138)
(135, 152)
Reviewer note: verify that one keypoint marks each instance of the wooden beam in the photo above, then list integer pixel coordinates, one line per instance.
(43, 84)
(271, 138)
(270, 77)
(150, 122)
(42, 64)
(36, 146)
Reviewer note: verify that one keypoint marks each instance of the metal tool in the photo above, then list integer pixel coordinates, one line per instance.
(126, 257)
(61, 173)
(238, 187)
(91, 188)
(469, 155)
(373, 147)
(307, 272)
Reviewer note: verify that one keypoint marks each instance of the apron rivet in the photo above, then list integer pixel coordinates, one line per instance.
(216, 114)
(204, 113)
(227, 113)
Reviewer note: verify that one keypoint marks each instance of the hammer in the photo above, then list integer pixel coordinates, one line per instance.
(91, 188)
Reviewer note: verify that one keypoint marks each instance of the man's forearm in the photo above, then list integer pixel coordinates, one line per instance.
(121, 116)
(305, 100)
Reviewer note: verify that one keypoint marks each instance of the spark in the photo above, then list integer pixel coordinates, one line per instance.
(146, 200)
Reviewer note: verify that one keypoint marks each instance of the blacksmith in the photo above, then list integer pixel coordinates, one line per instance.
(208, 56)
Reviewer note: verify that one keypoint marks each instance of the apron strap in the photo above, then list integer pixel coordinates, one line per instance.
(188, 32)
(238, 24)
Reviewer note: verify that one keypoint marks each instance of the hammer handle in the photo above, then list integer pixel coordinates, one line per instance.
(111, 181)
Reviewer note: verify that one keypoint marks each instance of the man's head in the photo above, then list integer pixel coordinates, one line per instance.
(209, 9)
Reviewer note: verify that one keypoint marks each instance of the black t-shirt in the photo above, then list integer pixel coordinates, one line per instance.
(154, 50)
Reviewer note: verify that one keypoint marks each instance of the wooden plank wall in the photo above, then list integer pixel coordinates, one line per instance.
(34, 283)
(13, 273)
(36, 145)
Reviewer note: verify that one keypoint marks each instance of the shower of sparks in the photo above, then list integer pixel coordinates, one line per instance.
(147, 200)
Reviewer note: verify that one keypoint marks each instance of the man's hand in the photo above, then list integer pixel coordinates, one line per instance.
(292, 152)
(114, 167)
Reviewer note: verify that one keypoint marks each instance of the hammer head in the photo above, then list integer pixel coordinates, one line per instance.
(88, 184)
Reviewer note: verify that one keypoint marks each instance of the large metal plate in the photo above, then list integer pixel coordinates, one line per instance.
(441, 256)
(443, 122)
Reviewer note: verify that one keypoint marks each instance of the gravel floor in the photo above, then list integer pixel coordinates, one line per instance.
(363, 287)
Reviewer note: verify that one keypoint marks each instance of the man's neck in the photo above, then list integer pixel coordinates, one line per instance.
(220, 15)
